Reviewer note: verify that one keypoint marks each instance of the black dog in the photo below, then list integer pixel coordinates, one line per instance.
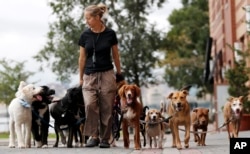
(69, 113)
(142, 125)
(41, 117)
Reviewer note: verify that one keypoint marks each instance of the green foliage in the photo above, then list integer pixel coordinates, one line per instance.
(137, 40)
(11, 73)
(237, 78)
(185, 46)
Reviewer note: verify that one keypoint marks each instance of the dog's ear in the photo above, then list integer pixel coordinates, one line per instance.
(170, 96)
(195, 110)
(121, 91)
(230, 98)
(207, 110)
(241, 98)
(137, 90)
(185, 92)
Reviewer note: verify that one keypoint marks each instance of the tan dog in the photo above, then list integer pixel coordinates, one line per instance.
(180, 110)
(199, 119)
(232, 112)
(132, 109)
(154, 128)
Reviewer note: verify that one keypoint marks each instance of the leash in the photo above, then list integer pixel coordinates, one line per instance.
(164, 120)
(215, 130)
(44, 121)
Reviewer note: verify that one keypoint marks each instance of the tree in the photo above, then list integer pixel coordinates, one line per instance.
(137, 40)
(237, 77)
(185, 46)
(11, 73)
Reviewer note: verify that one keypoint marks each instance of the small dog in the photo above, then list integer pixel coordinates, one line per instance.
(199, 119)
(69, 114)
(20, 114)
(180, 110)
(131, 109)
(232, 112)
(154, 128)
(41, 117)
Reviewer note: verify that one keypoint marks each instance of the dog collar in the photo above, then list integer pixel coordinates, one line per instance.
(24, 103)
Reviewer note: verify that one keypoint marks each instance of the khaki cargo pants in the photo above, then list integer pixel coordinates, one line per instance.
(99, 90)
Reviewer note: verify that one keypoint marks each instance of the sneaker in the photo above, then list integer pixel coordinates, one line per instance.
(93, 142)
(104, 144)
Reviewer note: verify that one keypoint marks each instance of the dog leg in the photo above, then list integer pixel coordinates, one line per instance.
(56, 128)
(187, 135)
(203, 137)
(125, 134)
(155, 142)
(137, 140)
(28, 135)
(149, 140)
(173, 135)
(228, 131)
(70, 137)
(12, 134)
(19, 134)
(177, 138)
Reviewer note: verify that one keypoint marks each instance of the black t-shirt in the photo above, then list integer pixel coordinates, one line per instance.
(102, 42)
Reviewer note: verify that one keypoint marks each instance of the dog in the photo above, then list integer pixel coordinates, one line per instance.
(20, 114)
(131, 109)
(199, 120)
(179, 109)
(41, 117)
(69, 114)
(143, 125)
(154, 128)
(232, 115)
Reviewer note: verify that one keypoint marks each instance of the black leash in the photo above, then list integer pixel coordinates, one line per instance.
(43, 121)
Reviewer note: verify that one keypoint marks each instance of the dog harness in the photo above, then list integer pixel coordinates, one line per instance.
(24, 103)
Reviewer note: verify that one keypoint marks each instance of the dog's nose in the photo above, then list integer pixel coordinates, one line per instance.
(129, 95)
(179, 104)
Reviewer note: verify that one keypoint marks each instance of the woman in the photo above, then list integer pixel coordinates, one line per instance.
(97, 76)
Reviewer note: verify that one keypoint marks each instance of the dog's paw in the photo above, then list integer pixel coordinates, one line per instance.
(77, 144)
(137, 148)
(38, 144)
(21, 146)
(45, 146)
(11, 146)
(186, 145)
(28, 146)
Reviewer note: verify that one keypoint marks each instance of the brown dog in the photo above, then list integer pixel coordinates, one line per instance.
(154, 128)
(199, 119)
(180, 110)
(131, 109)
(232, 112)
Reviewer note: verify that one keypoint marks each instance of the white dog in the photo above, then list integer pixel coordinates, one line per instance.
(20, 114)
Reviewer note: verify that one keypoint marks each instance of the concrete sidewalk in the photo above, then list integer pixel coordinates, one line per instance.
(217, 143)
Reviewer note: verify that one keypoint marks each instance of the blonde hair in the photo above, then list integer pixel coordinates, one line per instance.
(97, 10)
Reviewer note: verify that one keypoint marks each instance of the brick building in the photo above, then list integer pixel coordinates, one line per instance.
(228, 28)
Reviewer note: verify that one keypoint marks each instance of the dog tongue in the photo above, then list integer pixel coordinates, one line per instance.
(39, 97)
(129, 101)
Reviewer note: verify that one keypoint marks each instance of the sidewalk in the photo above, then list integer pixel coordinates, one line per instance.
(216, 143)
